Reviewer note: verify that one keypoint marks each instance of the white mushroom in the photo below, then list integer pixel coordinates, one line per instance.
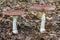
(43, 19)
(15, 14)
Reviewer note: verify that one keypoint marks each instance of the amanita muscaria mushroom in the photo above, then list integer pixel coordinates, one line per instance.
(15, 14)
(43, 19)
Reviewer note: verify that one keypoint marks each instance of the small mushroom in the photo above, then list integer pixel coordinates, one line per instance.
(43, 19)
(15, 14)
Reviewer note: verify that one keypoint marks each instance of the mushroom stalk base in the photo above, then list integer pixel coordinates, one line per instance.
(42, 27)
(15, 31)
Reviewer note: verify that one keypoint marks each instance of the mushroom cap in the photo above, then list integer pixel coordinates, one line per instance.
(46, 7)
(13, 12)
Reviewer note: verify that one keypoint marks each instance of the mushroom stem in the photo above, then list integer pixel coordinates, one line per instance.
(42, 27)
(15, 31)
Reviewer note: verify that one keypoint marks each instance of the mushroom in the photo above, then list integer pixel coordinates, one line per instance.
(15, 14)
(43, 19)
